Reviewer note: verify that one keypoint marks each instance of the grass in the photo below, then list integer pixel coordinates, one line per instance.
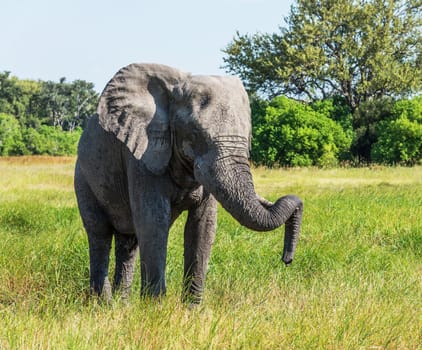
(355, 283)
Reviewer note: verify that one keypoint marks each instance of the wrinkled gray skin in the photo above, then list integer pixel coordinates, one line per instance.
(162, 142)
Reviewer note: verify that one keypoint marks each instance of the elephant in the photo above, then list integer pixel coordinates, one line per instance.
(161, 142)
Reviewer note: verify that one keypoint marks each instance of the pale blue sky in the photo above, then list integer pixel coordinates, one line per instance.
(92, 39)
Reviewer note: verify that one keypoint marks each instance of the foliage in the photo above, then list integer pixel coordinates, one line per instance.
(380, 130)
(67, 105)
(50, 140)
(355, 281)
(359, 50)
(19, 98)
(400, 140)
(11, 141)
(43, 117)
(352, 61)
(384, 126)
(411, 109)
(47, 140)
(336, 108)
(293, 134)
(36, 103)
(365, 125)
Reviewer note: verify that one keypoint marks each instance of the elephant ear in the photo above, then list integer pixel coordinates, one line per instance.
(134, 106)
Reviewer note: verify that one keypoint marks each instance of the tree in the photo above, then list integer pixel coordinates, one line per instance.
(36, 103)
(83, 103)
(7, 93)
(38, 117)
(67, 105)
(53, 102)
(18, 98)
(357, 49)
(366, 120)
(11, 142)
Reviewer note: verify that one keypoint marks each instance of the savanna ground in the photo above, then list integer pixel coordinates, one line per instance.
(355, 282)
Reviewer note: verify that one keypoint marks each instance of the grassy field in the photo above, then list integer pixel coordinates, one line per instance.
(355, 283)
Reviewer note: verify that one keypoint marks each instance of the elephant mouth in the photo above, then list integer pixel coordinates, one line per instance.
(181, 170)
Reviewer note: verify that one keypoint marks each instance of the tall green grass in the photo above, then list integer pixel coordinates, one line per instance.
(355, 282)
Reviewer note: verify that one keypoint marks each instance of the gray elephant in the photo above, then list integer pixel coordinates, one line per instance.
(164, 141)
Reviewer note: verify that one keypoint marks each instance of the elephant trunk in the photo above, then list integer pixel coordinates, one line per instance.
(229, 179)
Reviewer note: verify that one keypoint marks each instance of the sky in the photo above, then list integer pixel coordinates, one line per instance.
(92, 39)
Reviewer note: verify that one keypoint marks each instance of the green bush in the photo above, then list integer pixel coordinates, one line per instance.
(336, 108)
(46, 140)
(287, 132)
(400, 140)
(11, 141)
(411, 109)
(49, 140)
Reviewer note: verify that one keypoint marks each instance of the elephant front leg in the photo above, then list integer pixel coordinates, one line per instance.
(99, 254)
(152, 222)
(125, 251)
(199, 237)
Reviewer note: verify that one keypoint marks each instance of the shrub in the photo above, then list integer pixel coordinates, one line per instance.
(291, 133)
(52, 141)
(11, 142)
(411, 109)
(337, 109)
(400, 140)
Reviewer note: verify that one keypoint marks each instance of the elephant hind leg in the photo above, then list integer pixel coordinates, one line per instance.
(125, 251)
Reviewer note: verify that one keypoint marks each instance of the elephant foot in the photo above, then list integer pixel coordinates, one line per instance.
(102, 291)
(192, 296)
(122, 294)
(191, 300)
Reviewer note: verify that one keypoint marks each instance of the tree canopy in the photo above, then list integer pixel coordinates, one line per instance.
(356, 49)
(34, 103)
(43, 117)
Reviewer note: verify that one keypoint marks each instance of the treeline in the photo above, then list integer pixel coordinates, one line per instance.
(39, 117)
(326, 133)
(43, 117)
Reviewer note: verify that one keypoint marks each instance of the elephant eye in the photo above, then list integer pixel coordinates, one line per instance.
(205, 100)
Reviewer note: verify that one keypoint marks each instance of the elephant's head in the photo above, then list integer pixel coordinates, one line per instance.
(202, 123)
